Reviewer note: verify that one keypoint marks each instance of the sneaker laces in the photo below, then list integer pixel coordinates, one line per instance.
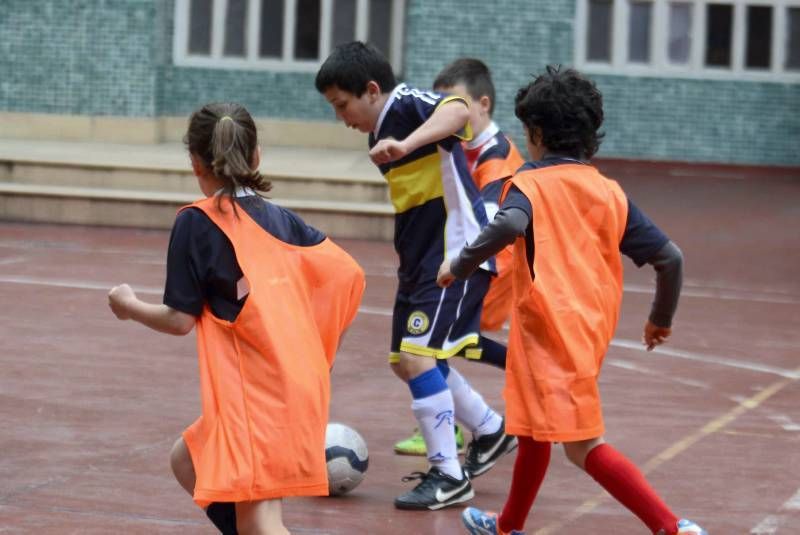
(426, 480)
(414, 476)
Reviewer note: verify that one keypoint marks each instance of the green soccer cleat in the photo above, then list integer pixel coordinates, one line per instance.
(415, 444)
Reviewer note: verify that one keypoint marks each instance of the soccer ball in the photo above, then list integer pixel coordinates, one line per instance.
(347, 458)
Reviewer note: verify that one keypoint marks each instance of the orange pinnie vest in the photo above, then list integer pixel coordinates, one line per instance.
(565, 315)
(264, 378)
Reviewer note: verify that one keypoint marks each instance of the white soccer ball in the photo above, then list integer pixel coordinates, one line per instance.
(347, 458)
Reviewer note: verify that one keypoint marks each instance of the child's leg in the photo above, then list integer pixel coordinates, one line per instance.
(181, 463)
(260, 518)
(533, 457)
(493, 353)
(433, 408)
(624, 481)
(471, 410)
(222, 515)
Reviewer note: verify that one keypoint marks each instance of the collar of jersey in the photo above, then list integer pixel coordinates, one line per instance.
(488, 133)
(386, 107)
(240, 192)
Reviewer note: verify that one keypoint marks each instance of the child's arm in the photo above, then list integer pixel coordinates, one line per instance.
(448, 119)
(668, 263)
(511, 221)
(125, 305)
(644, 243)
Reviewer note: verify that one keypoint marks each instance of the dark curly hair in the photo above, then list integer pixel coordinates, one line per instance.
(568, 110)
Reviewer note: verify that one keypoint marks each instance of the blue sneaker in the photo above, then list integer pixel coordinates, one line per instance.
(480, 522)
(686, 526)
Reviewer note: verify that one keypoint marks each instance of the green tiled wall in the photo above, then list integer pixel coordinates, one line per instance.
(79, 57)
(113, 57)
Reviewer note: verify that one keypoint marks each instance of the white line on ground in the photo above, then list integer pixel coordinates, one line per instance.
(380, 311)
(770, 523)
(709, 359)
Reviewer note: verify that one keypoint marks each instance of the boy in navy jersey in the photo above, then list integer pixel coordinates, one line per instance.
(492, 158)
(415, 139)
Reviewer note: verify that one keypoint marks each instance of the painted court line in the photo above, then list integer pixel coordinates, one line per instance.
(387, 312)
(770, 523)
(710, 359)
(714, 426)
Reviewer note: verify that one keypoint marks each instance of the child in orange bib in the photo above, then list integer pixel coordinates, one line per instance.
(568, 224)
(257, 284)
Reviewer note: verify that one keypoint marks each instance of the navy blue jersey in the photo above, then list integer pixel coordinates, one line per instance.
(438, 208)
(640, 242)
(202, 266)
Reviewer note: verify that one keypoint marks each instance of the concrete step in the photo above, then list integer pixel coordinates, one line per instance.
(338, 191)
(156, 209)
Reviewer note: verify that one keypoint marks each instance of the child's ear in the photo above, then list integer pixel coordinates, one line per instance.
(255, 161)
(373, 90)
(197, 166)
(485, 103)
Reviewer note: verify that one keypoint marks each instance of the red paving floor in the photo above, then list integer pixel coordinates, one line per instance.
(90, 406)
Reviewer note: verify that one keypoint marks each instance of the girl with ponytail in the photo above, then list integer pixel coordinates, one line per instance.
(255, 281)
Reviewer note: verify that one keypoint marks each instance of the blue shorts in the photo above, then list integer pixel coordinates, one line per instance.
(439, 322)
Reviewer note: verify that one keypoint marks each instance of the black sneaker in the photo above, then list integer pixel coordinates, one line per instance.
(436, 490)
(484, 452)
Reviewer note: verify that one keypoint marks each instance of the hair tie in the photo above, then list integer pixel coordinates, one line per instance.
(225, 117)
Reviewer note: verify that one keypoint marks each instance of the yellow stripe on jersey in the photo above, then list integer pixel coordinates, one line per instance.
(465, 134)
(415, 183)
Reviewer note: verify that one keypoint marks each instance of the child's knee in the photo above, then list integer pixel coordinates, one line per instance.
(409, 366)
(577, 452)
(181, 463)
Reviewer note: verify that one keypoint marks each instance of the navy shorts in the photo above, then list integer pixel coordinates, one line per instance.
(439, 322)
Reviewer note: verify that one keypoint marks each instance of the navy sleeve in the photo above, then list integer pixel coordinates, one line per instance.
(642, 238)
(419, 104)
(516, 199)
(183, 288)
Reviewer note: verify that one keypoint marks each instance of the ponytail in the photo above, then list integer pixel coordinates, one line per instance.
(223, 136)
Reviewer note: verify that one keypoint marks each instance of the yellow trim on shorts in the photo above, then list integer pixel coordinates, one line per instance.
(394, 358)
(424, 351)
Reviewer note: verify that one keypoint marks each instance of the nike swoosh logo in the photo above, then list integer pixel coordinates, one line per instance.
(484, 457)
(442, 497)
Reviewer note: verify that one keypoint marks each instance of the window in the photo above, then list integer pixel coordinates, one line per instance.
(639, 32)
(741, 39)
(599, 31)
(292, 35)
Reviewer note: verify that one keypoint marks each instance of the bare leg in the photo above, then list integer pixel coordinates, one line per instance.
(260, 518)
(577, 451)
(182, 467)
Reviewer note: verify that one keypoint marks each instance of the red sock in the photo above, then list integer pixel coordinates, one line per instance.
(529, 469)
(627, 484)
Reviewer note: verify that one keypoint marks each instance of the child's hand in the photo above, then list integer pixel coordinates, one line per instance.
(445, 278)
(654, 335)
(119, 298)
(387, 150)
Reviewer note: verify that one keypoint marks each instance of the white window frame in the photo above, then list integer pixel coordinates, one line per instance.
(660, 66)
(251, 60)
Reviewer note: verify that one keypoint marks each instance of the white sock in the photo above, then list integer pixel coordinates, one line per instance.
(471, 410)
(435, 416)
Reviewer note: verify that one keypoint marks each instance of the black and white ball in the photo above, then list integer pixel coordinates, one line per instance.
(347, 458)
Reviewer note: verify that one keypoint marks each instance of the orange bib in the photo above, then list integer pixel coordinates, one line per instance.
(564, 318)
(264, 378)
